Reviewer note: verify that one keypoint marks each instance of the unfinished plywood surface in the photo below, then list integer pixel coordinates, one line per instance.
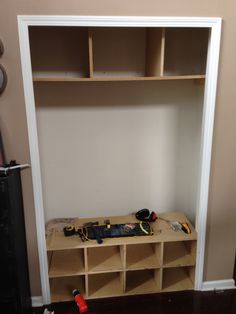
(104, 259)
(105, 285)
(142, 256)
(177, 279)
(142, 281)
(67, 263)
(61, 288)
(119, 51)
(75, 76)
(162, 233)
(178, 254)
(185, 51)
(155, 48)
(59, 49)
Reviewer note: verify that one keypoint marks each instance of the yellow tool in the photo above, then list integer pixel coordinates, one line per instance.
(186, 228)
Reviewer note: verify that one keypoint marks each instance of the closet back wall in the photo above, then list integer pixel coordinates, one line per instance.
(115, 148)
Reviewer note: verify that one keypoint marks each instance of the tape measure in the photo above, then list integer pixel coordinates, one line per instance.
(69, 230)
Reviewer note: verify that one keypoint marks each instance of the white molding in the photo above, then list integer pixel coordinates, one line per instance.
(207, 127)
(118, 21)
(37, 301)
(218, 285)
(34, 156)
(206, 147)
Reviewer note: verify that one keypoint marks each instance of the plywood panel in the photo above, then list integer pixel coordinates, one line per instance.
(185, 51)
(176, 279)
(178, 254)
(67, 263)
(119, 51)
(59, 49)
(143, 281)
(104, 259)
(142, 256)
(105, 285)
(75, 76)
(61, 288)
(162, 233)
(155, 47)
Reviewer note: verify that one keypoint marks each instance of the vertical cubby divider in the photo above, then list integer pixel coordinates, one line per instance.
(90, 51)
(155, 50)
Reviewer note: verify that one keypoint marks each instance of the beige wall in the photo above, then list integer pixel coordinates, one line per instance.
(221, 232)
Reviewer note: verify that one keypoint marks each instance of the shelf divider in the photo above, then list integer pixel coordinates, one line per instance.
(155, 50)
(90, 46)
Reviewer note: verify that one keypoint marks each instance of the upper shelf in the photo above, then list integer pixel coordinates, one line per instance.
(73, 54)
(73, 77)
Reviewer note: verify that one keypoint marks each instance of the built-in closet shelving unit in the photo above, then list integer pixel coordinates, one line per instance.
(165, 261)
(63, 55)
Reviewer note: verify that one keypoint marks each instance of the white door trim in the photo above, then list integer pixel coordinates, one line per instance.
(207, 126)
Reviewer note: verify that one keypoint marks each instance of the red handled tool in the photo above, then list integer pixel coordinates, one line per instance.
(80, 302)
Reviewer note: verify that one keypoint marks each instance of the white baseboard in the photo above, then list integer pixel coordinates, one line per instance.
(37, 301)
(218, 285)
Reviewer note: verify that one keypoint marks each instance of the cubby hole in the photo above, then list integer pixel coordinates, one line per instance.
(62, 287)
(59, 51)
(143, 281)
(119, 51)
(105, 258)
(139, 256)
(185, 51)
(66, 263)
(178, 278)
(106, 284)
(179, 253)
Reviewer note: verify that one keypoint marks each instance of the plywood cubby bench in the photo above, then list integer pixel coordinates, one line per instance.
(122, 266)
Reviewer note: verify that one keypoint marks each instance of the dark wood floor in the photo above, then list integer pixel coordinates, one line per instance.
(190, 302)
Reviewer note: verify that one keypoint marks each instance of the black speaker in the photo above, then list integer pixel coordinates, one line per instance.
(14, 279)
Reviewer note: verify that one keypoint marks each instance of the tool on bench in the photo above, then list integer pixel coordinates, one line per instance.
(69, 230)
(146, 215)
(83, 236)
(92, 230)
(177, 226)
(107, 223)
(94, 226)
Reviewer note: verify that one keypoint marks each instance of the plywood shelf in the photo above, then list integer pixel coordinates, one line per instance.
(104, 259)
(105, 285)
(74, 77)
(179, 253)
(177, 279)
(66, 263)
(141, 256)
(59, 49)
(142, 281)
(61, 288)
